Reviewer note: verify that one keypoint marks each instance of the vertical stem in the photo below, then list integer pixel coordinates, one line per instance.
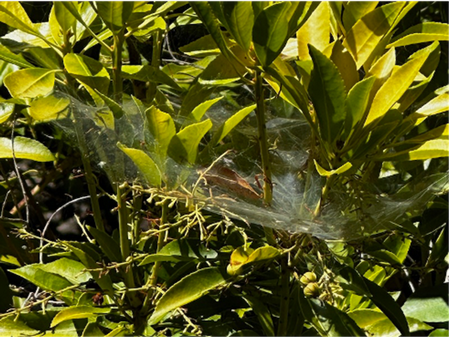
(156, 61)
(284, 303)
(262, 138)
(117, 66)
(161, 235)
(88, 174)
(123, 222)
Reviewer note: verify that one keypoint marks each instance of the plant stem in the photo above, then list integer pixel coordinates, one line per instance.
(284, 303)
(156, 61)
(262, 138)
(117, 67)
(161, 235)
(123, 222)
(88, 173)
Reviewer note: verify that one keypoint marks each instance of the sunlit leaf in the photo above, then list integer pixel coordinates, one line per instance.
(48, 108)
(25, 148)
(162, 127)
(145, 164)
(148, 73)
(368, 31)
(65, 19)
(184, 145)
(188, 289)
(41, 278)
(114, 13)
(327, 173)
(355, 10)
(394, 88)
(428, 304)
(238, 16)
(77, 312)
(423, 32)
(30, 82)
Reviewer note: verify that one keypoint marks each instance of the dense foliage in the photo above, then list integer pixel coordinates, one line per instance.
(224, 168)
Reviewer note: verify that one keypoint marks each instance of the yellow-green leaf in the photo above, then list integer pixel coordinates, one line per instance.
(394, 88)
(355, 10)
(162, 128)
(186, 290)
(13, 14)
(315, 31)
(184, 145)
(25, 148)
(48, 108)
(115, 13)
(6, 109)
(229, 124)
(368, 31)
(327, 173)
(30, 82)
(238, 16)
(423, 32)
(431, 149)
(77, 312)
(198, 112)
(145, 164)
(88, 71)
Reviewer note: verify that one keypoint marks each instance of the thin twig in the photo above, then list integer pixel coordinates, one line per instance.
(19, 177)
(41, 253)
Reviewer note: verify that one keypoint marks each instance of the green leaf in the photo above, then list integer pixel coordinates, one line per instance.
(69, 269)
(48, 108)
(394, 88)
(115, 13)
(77, 312)
(30, 82)
(439, 333)
(328, 320)
(356, 104)
(201, 47)
(79, 250)
(327, 173)
(238, 16)
(92, 329)
(145, 164)
(263, 314)
(350, 279)
(148, 73)
(355, 10)
(198, 112)
(162, 128)
(108, 245)
(346, 65)
(428, 304)
(88, 71)
(15, 59)
(206, 15)
(230, 124)
(367, 32)
(184, 145)
(379, 325)
(327, 92)
(423, 32)
(6, 109)
(188, 289)
(43, 279)
(389, 307)
(6, 301)
(430, 149)
(180, 250)
(221, 72)
(13, 14)
(116, 109)
(440, 248)
(65, 19)
(270, 32)
(242, 256)
(15, 327)
(315, 31)
(440, 132)
(25, 148)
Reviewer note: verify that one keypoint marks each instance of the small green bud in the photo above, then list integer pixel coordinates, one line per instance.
(309, 277)
(312, 290)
